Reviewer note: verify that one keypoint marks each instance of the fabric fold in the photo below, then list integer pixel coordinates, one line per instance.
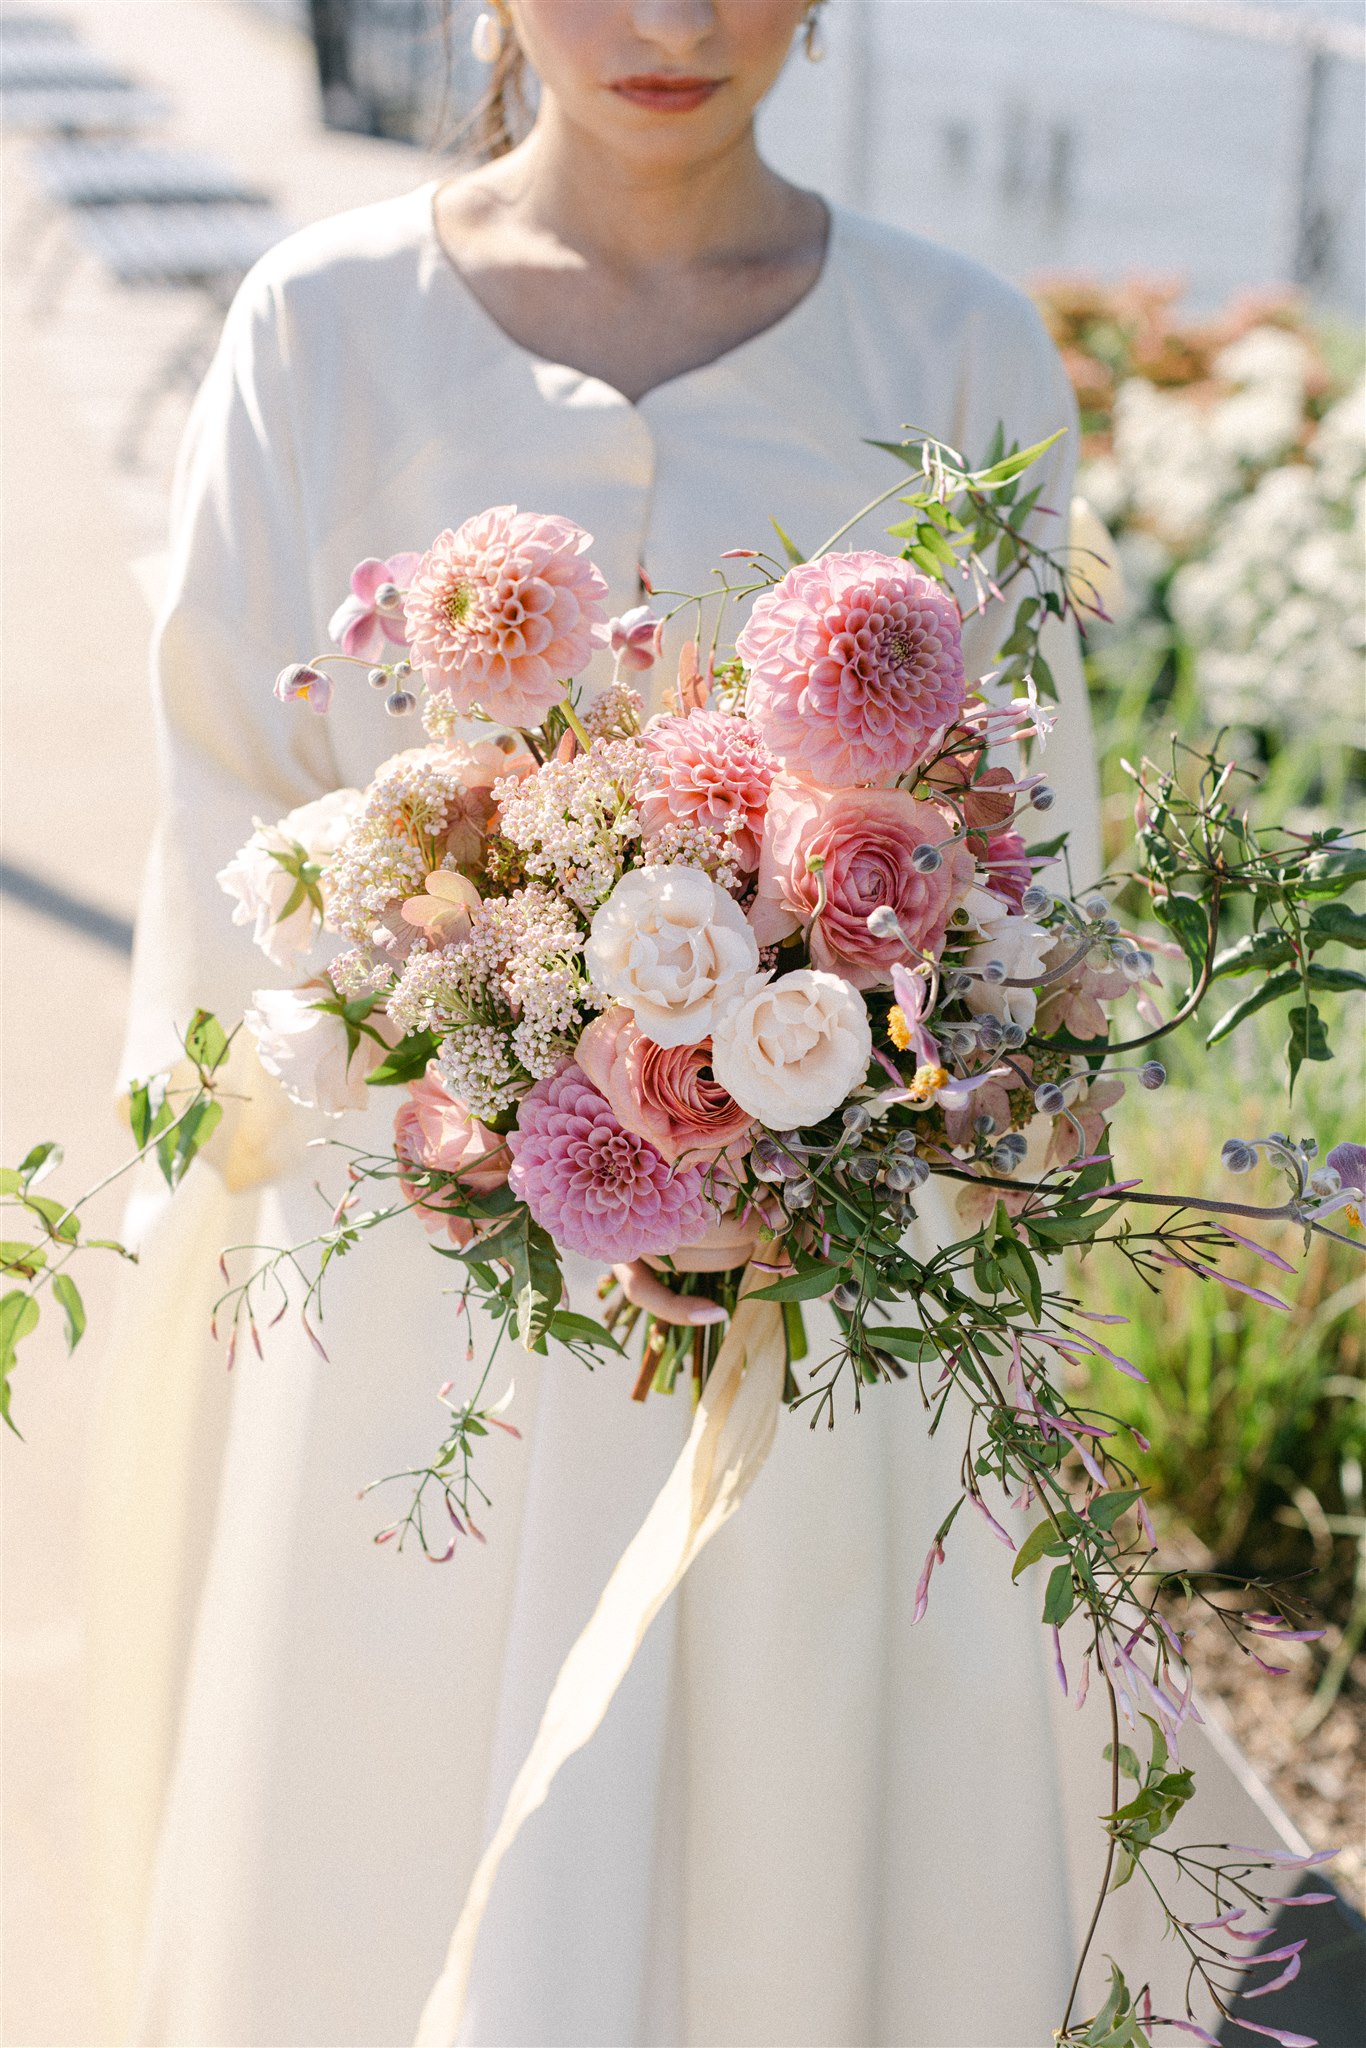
(731, 1436)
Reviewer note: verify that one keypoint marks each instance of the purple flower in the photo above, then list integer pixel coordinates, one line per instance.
(922, 1588)
(1349, 1163)
(634, 638)
(599, 1189)
(358, 626)
(303, 684)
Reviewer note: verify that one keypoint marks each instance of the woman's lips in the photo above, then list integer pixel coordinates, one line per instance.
(666, 95)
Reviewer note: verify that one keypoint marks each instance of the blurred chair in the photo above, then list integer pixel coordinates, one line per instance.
(205, 249)
(18, 26)
(41, 65)
(80, 110)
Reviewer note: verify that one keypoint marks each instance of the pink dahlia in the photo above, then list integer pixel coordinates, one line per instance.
(599, 1189)
(855, 661)
(705, 770)
(500, 613)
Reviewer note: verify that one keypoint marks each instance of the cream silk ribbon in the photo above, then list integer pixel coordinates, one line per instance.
(731, 1436)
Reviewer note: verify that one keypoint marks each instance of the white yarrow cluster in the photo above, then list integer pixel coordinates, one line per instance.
(397, 840)
(574, 822)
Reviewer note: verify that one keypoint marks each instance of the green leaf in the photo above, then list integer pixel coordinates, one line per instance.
(10, 1182)
(184, 1138)
(1336, 924)
(1021, 1276)
(1332, 870)
(794, 1330)
(807, 1284)
(1128, 1761)
(1059, 1596)
(531, 1258)
(1037, 1543)
(1188, 922)
(1287, 983)
(36, 1165)
(18, 1317)
(917, 1345)
(69, 1295)
(1268, 948)
(407, 1061)
(59, 1220)
(789, 546)
(1106, 1509)
(570, 1328)
(21, 1258)
(1308, 1039)
(206, 1042)
(1014, 465)
(148, 1110)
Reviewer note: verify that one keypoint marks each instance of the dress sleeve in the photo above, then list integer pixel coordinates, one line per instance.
(238, 606)
(1020, 381)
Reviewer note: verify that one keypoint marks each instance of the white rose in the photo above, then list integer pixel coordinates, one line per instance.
(1020, 945)
(675, 948)
(261, 887)
(305, 1048)
(793, 1049)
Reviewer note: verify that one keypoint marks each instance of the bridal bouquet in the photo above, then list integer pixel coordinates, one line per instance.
(719, 999)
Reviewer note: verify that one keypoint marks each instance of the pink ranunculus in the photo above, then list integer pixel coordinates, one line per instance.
(434, 1129)
(1006, 871)
(855, 662)
(500, 613)
(707, 769)
(862, 841)
(596, 1187)
(358, 626)
(667, 1094)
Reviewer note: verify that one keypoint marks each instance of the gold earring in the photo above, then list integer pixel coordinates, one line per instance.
(811, 35)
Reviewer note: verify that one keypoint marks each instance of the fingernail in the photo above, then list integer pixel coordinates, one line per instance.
(712, 1314)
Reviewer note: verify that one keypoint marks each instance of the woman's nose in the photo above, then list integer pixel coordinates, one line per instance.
(675, 27)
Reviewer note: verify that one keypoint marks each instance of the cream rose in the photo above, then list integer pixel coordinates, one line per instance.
(1021, 946)
(261, 887)
(305, 1048)
(792, 1050)
(674, 948)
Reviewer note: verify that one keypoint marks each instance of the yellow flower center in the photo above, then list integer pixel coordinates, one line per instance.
(898, 1030)
(457, 600)
(927, 1081)
(1353, 1216)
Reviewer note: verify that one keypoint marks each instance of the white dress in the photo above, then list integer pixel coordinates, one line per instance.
(803, 1821)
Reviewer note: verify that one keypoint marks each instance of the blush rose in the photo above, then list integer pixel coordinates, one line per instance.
(854, 848)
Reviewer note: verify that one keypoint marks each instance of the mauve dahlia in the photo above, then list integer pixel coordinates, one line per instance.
(501, 613)
(705, 770)
(855, 661)
(599, 1189)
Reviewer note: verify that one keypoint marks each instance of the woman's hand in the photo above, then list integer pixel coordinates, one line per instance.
(728, 1243)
